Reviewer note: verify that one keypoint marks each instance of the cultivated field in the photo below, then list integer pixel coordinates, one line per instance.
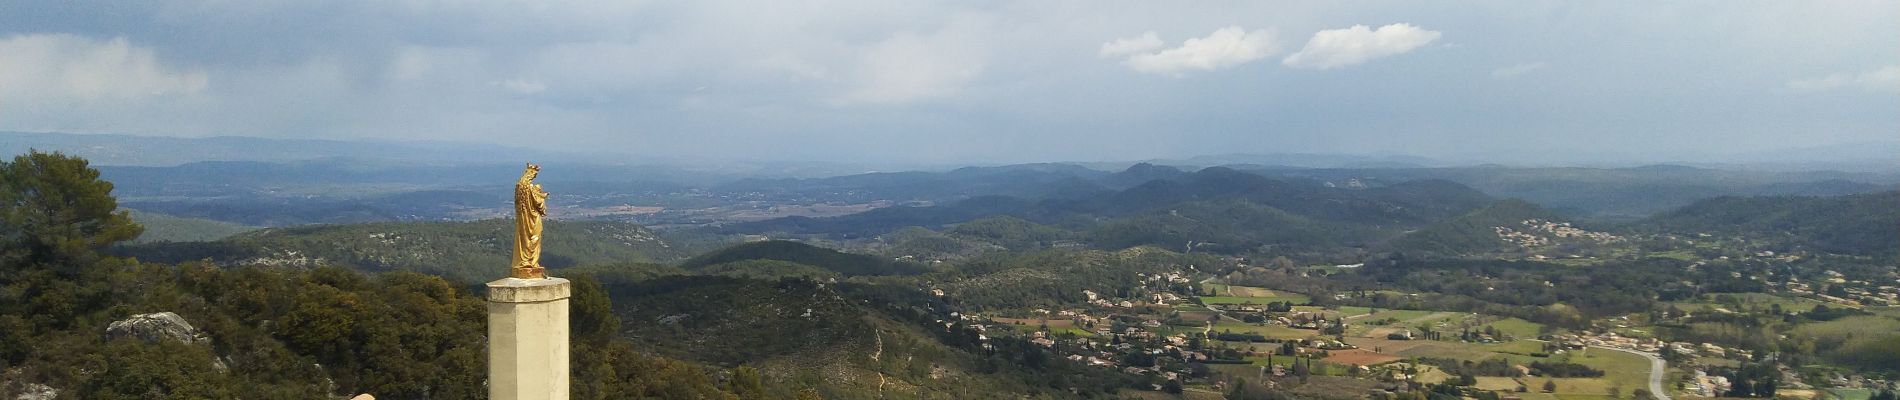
(1623, 371)
(1359, 357)
(1269, 330)
(1753, 300)
(1517, 328)
(1230, 294)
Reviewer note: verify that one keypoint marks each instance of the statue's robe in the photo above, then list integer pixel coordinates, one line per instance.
(531, 204)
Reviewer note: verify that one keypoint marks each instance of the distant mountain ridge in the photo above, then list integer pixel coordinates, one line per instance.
(135, 150)
(1615, 192)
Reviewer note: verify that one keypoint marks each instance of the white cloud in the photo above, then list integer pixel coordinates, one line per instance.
(1342, 47)
(1516, 70)
(1225, 48)
(907, 68)
(61, 67)
(1882, 80)
(997, 79)
(1141, 44)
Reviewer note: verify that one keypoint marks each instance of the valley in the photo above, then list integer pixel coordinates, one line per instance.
(949, 200)
(1209, 282)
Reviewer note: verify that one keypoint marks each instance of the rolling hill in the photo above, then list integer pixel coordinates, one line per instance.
(800, 255)
(1237, 210)
(471, 252)
(1613, 192)
(167, 228)
(1861, 224)
(843, 340)
(1472, 233)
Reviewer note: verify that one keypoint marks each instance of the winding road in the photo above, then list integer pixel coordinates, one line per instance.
(1656, 370)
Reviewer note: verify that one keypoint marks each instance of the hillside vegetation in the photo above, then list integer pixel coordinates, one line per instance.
(467, 251)
(1613, 192)
(1472, 233)
(68, 318)
(800, 254)
(166, 228)
(1216, 209)
(1862, 224)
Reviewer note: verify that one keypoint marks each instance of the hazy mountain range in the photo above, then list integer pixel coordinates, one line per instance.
(139, 150)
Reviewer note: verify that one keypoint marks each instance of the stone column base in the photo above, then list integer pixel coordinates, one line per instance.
(527, 339)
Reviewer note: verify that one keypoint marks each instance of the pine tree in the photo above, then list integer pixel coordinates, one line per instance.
(56, 212)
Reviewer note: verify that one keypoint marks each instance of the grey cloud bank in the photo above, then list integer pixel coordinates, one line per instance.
(971, 82)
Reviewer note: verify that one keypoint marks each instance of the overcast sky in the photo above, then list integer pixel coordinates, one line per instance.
(971, 81)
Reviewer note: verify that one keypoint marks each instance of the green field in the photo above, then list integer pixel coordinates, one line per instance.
(1517, 328)
(1498, 383)
(1451, 350)
(1363, 325)
(1624, 371)
(1352, 311)
(1229, 294)
(1629, 371)
(1268, 330)
(1850, 332)
(1079, 332)
(1253, 369)
(1752, 300)
(1260, 301)
(1215, 288)
(1319, 367)
(1684, 255)
(1522, 348)
(1187, 307)
(1335, 312)
(1401, 315)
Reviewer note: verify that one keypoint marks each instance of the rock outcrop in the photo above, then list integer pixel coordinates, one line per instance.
(35, 391)
(12, 387)
(157, 326)
(154, 327)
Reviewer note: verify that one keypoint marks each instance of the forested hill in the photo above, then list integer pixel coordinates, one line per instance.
(168, 228)
(1613, 192)
(1024, 180)
(801, 254)
(76, 322)
(1861, 224)
(468, 251)
(1472, 233)
(1229, 210)
(1406, 202)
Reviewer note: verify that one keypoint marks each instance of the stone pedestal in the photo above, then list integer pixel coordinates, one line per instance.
(527, 339)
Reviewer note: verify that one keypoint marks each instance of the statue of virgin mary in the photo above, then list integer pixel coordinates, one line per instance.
(531, 205)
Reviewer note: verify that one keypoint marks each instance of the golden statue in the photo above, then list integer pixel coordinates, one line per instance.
(531, 204)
